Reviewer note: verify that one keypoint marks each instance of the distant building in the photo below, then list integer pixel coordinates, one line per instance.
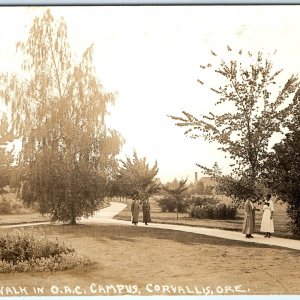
(208, 181)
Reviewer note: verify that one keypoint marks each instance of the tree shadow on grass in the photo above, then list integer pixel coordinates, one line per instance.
(102, 232)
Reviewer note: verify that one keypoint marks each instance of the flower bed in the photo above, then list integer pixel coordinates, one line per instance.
(23, 250)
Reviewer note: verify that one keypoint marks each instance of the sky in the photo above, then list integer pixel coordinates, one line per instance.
(151, 56)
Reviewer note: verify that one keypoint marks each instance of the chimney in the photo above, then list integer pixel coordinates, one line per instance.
(196, 176)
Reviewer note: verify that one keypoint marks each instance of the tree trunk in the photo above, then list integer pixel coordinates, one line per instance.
(73, 221)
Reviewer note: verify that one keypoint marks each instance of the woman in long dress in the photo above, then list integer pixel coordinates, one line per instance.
(267, 224)
(146, 212)
(135, 210)
(249, 219)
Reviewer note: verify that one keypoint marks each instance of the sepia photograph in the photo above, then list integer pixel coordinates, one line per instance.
(149, 150)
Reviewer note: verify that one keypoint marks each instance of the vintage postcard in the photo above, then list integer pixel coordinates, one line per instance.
(149, 150)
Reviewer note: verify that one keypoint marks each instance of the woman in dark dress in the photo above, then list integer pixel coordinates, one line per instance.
(146, 212)
(249, 219)
(135, 210)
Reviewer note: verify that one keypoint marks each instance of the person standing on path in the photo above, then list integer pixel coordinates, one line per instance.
(267, 223)
(135, 210)
(146, 212)
(249, 219)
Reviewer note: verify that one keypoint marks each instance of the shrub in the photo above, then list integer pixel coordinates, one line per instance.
(202, 201)
(169, 204)
(183, 206)
(219, 211)
(24, 250)
(6, 207)
(10, 205)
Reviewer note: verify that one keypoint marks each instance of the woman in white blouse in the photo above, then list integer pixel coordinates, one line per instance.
(267, 223)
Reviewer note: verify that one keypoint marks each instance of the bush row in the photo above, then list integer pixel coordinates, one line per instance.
(216, 212)
(168, 204)
(199, 207)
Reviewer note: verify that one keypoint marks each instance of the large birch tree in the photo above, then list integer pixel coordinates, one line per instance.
(6, 156)
(58, 109)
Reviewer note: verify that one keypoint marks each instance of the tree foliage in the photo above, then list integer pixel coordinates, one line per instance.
(136, 176)
(177, 193)
(252, 107)
(6, 157)
(283, 175)
(197, 188)
(58, 108)
(282, 167)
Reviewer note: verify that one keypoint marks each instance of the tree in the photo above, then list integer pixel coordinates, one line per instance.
(173, 184)
(6, 157)
(177, 193)
(6, 160)
(136, 176)
(238, 188)
(197, 188)
(283, 176)
(253, 107)
(282, 168)
(58, 108)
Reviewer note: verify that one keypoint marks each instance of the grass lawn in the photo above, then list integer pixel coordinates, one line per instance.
(22, 218)
(153, 261)
(280, 219)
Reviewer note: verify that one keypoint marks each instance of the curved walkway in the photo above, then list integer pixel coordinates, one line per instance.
(106, 216)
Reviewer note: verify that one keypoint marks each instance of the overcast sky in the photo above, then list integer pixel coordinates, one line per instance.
(152, 55)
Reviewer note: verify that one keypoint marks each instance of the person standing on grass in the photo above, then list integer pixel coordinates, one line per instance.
(249, 219)
(267, 223)
(146, 212)
(135, 210)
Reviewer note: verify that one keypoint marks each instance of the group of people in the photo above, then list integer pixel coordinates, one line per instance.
(135, 211)
(267, 223)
